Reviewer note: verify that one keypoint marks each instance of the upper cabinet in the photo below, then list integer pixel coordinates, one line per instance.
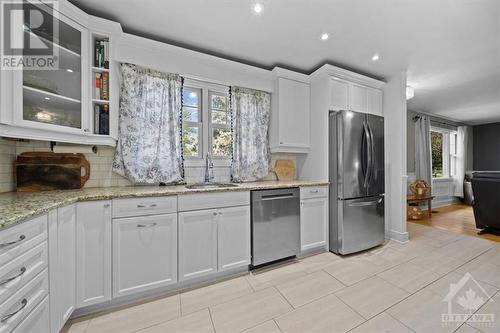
(289, 127)
(345, 95)
(60, 103)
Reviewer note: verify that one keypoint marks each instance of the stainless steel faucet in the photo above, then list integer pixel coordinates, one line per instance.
(208, 166)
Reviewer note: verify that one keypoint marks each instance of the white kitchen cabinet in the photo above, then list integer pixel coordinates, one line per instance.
(339, 95)
(233, 237)
(197, 243)
(93, 252)
(62, 268)
(313, 217)
(289, 125)
(57, 104)
(345, 95)
(144, 253)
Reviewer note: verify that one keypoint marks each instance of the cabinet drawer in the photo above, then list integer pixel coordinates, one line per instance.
(308, 192)
(199, 201)
(38, 320)
(19, 305)
(144, 206)
(19, 271)
(22, 237)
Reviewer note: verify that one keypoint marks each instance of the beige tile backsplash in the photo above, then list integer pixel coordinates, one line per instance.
(101, 173)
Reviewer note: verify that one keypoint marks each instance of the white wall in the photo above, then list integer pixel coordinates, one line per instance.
(395, 152)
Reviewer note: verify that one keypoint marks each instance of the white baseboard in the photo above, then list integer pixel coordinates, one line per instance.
(400, 237)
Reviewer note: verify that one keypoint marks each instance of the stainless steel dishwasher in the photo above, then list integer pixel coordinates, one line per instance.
(275, 225)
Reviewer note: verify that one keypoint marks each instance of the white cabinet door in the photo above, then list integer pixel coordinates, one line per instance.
(93, 252)
(313, 221)
(374, 101)
(233, 237)
(293, 103)
(358, 98)
(339, 95)
(144, 253)
(197, 243)
(66, 280)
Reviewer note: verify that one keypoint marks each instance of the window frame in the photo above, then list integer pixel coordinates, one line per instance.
(205, 132)
(447, 155)
(198, 124)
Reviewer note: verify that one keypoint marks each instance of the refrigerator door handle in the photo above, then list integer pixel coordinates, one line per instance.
(365, 203)
(369, 154)
(371, 161)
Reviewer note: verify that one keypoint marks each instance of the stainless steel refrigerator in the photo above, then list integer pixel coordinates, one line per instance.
(356, 172)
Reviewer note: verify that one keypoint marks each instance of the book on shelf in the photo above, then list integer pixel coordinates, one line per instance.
(98, 85)
(101, 119)
(101, 53)
(105, 86)
(101, 85)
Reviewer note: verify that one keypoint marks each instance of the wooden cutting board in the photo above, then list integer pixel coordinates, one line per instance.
(45, 171)
(285, 169)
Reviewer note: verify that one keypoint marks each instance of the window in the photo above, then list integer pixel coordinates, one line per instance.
(444, 152)
(206, 121)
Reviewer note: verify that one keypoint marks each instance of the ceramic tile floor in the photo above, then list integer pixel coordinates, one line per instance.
(392, 288)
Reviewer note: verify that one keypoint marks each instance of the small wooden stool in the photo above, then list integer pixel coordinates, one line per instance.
(418, 199)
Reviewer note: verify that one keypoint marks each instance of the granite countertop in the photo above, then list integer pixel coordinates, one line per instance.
(16, 207)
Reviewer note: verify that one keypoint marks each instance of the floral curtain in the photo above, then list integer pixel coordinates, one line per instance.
(251, 111)
(149, 149)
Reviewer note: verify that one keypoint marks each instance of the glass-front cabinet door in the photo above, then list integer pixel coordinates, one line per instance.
(51, 97)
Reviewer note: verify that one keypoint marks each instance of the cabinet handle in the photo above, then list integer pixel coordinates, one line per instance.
(106, 205)
(313, 191)
(21, 238)
(215, 213)
(220, 213)
(149, 225)
(7, 280)
(24, 302)
(144, 206)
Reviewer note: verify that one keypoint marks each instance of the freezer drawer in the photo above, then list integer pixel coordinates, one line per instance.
(361, 224)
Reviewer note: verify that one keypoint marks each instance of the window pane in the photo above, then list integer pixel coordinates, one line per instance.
(190, 114)
(437, 154)
(190, 97)
(453, 143)
(190, 141)
(221, 142)
(218, 102)
(220, 117)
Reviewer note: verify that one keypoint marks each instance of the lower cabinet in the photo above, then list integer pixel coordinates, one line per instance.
(233, 235)
(144, 253)
(213, 240)
(62, 268)
(93, 252)
(313, 223)
(197, 243)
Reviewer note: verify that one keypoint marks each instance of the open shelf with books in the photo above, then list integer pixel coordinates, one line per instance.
(100, 84)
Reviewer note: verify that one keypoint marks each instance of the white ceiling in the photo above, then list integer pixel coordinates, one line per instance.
(450, 48)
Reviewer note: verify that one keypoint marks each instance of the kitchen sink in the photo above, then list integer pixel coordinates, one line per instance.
(200, 186)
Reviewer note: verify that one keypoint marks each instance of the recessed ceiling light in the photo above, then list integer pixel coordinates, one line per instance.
(257, 8)
(375, 57)
(324, 36)
(69, 70)
(47, 98)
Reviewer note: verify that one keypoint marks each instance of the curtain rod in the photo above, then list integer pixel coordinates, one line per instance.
(417, 117)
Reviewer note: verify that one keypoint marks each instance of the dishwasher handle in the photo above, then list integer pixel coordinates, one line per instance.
(277, 196)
